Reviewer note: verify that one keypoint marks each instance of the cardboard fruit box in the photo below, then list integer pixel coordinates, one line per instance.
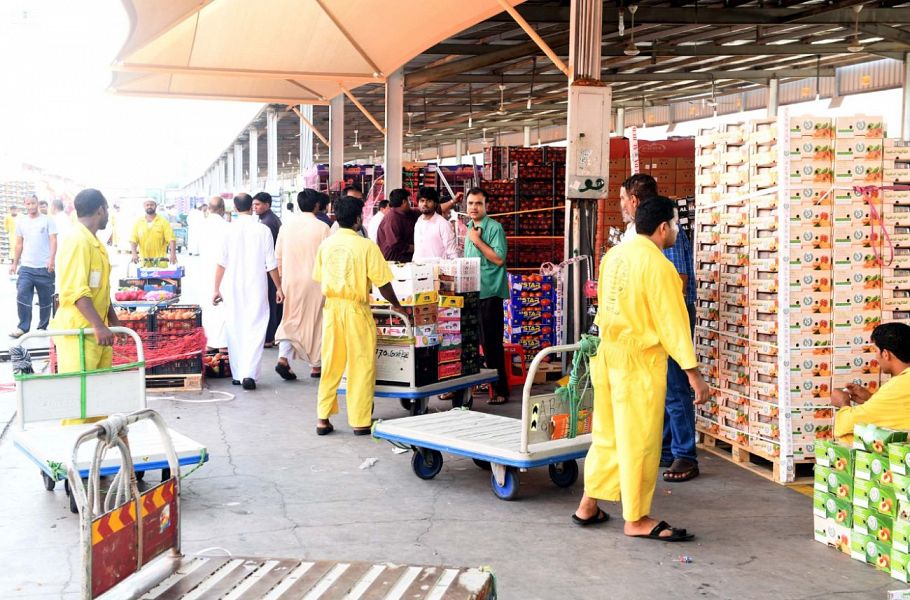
(876, 439)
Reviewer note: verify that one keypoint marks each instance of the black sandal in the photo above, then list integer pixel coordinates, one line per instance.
(324, 429)
(676, 535)
(682, 469)
(597, 519)
(285, 372)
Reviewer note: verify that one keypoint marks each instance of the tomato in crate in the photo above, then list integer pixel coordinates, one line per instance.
(177, 318)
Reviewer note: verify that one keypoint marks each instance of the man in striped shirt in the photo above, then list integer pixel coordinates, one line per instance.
(678, 452)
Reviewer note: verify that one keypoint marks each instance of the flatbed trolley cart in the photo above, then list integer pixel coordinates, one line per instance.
(128, 557)
(44, 400)
(544, 435)
(414, 398)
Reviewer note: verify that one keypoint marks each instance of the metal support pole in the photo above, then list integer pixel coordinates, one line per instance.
(336, 140)
(620, 129)
(459, 151)
(254, 158)
(221, 174)
(773, 95)
(527, 136)
(905, 116)
(271, 144)
(306, 137)
(394, 124)
(238, 167)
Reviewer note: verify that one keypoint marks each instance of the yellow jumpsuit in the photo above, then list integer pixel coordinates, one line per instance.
(84, 271)
(346, 265)
(642, 316)
(888, 407)
(152, 239)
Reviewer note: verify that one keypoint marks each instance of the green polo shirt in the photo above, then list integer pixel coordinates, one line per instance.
(493, 280)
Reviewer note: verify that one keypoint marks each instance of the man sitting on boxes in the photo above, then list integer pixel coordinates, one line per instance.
(346, 265)
(890, 405)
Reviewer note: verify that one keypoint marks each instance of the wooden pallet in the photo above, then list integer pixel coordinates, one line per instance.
(175, 383)
(752, 460)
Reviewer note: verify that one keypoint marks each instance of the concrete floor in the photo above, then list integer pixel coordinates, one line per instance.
(272, 487)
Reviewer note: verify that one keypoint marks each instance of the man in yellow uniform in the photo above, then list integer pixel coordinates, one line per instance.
(346, 265)
(890, 405)
(85, 289)
(642, 318)
(153, 236)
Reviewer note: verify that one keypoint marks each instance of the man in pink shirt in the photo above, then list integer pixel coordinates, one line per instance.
(433, 235)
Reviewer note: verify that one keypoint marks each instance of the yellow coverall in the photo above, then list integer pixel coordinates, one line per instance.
(346, 265)
(642, 316)
(152, 239)
(888, 407)
(84, 271)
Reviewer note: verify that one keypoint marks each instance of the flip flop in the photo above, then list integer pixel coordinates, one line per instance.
(676, 535)
(447, 396)
(363, 430)
(316, 373)
(497, 400)
(285, 372)
(682, 469)
(597, 519)
(324, 429)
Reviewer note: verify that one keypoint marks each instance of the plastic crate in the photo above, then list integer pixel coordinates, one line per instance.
(217, 364)
(138, 321)
(191, 365)
(177, 318)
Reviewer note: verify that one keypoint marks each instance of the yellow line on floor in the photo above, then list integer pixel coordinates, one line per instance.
(805, 490)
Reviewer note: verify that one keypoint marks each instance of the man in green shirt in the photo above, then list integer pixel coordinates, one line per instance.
(487, 241)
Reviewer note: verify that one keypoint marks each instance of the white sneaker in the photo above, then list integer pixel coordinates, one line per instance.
(16, 333)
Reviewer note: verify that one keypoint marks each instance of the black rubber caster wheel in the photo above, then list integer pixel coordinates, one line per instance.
(564, 474)
(49, 482)
(426, 463)
(485, 465)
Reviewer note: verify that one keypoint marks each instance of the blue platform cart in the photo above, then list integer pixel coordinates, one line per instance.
(544, 436)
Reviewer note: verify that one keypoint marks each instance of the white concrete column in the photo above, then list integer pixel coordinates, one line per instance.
(219, 181)
(336, 141)
(459, 151)
(905, 115)
(306, 138)
(620, 129)
(229, 161)
(394, 125)
(773, 97)
(238, 167)
(271, 144)
(254, 159)
(527, 136)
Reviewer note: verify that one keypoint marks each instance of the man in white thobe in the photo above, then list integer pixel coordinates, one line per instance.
(248, 251)
(433, 235)
(214, 228)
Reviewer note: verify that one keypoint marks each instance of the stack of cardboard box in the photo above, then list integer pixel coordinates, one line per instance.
(528, 313)
(861, 504)
(895, 207)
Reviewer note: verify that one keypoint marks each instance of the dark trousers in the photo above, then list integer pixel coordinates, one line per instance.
(679, 418)
(33, 280)
(491, 340)
(275, 312)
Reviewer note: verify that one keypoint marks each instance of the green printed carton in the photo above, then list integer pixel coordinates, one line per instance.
(900, 565)
(829, 506)
(831, 534)
(868, 494)
(868, 521)
(834, 456)
(876, 439)
(838, 483)
(899, 456)
(869, 550)
(901, 486)
(872, 467)
(901, 535)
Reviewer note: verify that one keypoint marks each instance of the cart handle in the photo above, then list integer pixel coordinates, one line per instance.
(113, 431)
(529, 381)
(393, 313)
(140, 353)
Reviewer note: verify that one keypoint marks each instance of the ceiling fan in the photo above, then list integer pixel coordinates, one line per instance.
(501, 111)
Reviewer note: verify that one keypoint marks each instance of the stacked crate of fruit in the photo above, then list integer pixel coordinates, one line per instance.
(174, 323)
(528, 313)
(895, 203)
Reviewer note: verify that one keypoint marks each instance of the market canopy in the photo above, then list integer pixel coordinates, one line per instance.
(291, 51)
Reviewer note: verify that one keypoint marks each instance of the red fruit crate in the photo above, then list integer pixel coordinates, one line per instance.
(139, 321)
(177, 318)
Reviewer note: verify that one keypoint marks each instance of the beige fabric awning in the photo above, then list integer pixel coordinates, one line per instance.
(288, 51)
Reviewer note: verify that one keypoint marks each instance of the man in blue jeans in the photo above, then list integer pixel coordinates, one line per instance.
(678, 452)
(33, 258)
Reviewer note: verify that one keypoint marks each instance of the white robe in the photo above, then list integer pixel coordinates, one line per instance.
(248, 253)
(214, 228)
(194, 226)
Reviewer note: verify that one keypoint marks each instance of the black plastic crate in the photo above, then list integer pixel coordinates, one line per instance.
(217, 364)
(182, 366)
(164, 319)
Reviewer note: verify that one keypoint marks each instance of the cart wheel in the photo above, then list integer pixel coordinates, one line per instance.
(71, 497)
(509, 488)
(485, 465)
(426, 463)
(418, 406)
(49, 482)
(140, 475)
(463, 399)
(405, 403)
(564, 474)
(165, 474)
